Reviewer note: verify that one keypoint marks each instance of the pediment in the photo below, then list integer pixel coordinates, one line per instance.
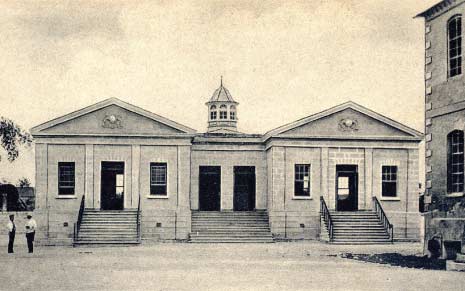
(111, 117)
(348, 120)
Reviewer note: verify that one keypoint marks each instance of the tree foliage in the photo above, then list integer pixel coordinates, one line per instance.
(23, 182)
(12, 136)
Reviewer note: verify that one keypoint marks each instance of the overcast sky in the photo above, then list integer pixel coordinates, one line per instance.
(281, 60)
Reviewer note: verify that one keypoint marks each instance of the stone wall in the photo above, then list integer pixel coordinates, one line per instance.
(294, 218)
(445, 112)
(163, 218)
(227, 157)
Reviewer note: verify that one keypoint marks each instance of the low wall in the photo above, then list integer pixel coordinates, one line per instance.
(294, 225)
(446, 227)
(406, 225)
(165, 225)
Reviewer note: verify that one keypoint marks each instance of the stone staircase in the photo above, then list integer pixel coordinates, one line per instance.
(107, 227)
(230, 227)
(358, 227)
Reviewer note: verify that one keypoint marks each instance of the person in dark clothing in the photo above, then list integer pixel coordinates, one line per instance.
(11, 233)
(31, 226)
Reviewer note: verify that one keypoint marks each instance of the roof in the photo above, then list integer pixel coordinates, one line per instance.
(228, 138)
(105, 103)
(439, 8)
(221, 95)
(416, 135)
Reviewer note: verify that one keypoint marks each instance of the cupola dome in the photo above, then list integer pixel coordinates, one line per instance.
(222, 114)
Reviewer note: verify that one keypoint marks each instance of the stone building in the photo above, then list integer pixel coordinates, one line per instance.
(445, 122)
(139, 169)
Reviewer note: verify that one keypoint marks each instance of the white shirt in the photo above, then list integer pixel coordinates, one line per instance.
(32, 225)
(10, 226)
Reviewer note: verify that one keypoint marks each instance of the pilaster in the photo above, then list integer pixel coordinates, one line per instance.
(89, 176)
(135, 174)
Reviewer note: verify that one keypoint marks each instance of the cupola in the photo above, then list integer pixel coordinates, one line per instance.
(222, 111)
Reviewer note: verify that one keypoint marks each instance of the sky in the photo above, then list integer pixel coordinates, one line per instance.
(281, 60)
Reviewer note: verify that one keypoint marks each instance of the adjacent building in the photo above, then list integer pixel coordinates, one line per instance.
(445, 124)
(122, 157)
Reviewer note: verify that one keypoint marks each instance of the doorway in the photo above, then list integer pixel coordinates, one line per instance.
(209, 188)
(112, 186)
(346, 188)
(244, 188)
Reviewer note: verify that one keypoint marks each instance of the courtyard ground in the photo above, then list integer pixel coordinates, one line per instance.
(182, 266)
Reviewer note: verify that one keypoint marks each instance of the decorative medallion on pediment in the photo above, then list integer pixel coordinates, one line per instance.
(112, 121)
(348, 124)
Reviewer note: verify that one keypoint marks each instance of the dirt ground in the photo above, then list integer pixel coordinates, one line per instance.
(182, 266)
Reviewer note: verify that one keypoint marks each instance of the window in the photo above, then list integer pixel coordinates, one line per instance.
(66, 178)
(455, 161)
(302, 180)
(232, 112)
(223, 112)
(389, 181)
(343, 190)
(454, 30)
(119, 185)
(158, 179)
(213, 112)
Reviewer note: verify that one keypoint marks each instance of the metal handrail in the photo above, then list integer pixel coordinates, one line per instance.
(324, 211)
(77, 225)
(138, 220)
(23, 204)
(383, 217)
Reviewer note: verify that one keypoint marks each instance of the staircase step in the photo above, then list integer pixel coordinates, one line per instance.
(226, 231)
(360, 235)
(231, 230)
(358, 224)
(108, 227)
(116, 232)
(361, 240)
(230, 227)
(230, 235)
(241, 240)
(370, 242)
(359, 227)
(105, 242)
(355, 232)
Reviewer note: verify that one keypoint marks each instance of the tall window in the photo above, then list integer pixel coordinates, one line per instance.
(213, 112)
(66, 178)
(302, 180)
(158, 179)
(389, 181)
(455, 161)
(232, 112)
(454, 30)
(223, 112)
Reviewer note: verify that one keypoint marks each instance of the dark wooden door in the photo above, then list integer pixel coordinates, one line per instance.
(112, 186)
(346, 188)
(244, 188)
(209, 188)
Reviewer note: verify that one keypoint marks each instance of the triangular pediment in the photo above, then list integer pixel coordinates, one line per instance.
(112, 117)
(350, 121)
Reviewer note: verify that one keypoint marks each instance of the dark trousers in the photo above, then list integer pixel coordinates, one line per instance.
(11, 241)
(30, 240)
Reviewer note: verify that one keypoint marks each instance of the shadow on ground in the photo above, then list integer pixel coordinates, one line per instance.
(395, 259)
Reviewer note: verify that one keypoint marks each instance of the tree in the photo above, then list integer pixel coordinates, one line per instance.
(12, 136)
(23, 182)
